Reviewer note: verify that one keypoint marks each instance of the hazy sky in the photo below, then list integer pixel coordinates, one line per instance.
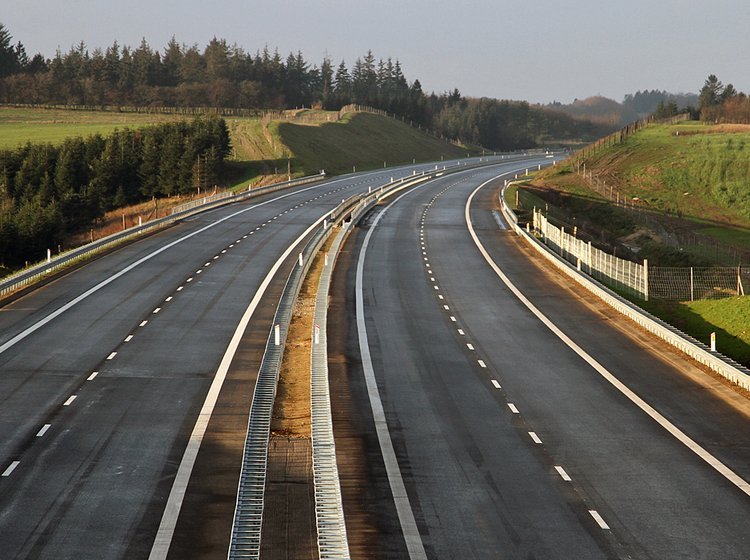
(538, 50)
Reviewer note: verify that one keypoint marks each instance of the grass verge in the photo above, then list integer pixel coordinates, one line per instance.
(729, 318)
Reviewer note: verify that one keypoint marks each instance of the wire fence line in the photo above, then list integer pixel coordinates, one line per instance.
(638, 279)
(692, 283)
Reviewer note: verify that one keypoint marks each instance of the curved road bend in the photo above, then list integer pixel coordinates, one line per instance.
(97, 404)
(509, 443)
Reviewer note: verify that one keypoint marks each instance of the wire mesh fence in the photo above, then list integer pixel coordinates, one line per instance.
(692, 283)
(622, 274)
(638, 279)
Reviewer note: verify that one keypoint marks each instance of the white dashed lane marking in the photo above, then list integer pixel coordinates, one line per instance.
(598, 518)
(562, 473)
(11, 468)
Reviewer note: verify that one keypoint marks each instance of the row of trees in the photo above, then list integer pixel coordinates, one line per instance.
(646, 102)
(49, 192)
(723, 103)
(509, 125)
(222, 75)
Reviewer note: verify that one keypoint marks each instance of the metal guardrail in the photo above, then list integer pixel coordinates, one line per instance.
(35, 273)
(245, 541)
(248, 518)
(329, 512)
(724, 366)
(227, 197)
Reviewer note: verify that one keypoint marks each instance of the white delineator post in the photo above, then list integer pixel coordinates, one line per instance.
(645, 279)
(300, 259)
(317, 334)
(277, 335)
(713, 342)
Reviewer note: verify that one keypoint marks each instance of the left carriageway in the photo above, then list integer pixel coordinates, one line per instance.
(105, 371)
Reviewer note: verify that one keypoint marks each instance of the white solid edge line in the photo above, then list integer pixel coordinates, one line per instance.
(414, 545)
(681, 436)
(164, 534)
(59, 311)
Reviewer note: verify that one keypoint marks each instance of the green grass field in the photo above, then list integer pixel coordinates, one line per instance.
(21, 125)
(362, 140)
(699, 170)
(729, 318)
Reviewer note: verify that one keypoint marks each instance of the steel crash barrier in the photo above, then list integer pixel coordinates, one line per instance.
(724, 366)
(35, 273)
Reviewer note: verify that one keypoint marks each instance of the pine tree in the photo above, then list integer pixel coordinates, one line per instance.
(8, 54)
(342, 85)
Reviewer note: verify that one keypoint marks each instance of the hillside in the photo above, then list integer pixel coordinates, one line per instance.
(265, 150)
(362, 140)
(688, 192)
(61, 184)
(688, 179)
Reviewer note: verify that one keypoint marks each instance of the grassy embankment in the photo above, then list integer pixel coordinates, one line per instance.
(691, 175)
(261, 151)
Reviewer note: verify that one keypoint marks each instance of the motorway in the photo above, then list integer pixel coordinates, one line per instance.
(105, 372)
(503, 436)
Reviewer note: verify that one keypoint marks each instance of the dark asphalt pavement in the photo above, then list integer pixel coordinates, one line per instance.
(507, 439)
(97, 404)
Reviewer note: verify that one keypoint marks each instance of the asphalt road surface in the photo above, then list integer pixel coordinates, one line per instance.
(103, 373)
(508, 442)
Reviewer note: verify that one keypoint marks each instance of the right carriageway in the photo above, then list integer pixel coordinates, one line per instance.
(508, 441)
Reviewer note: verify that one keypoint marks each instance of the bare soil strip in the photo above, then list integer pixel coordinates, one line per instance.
(289, 529)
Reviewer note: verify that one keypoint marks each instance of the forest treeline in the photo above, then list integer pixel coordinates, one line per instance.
(223, 75)
(723, 103)
(48, 192)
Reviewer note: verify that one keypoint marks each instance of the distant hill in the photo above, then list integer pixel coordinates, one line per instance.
(608, 112)
(600, 110)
